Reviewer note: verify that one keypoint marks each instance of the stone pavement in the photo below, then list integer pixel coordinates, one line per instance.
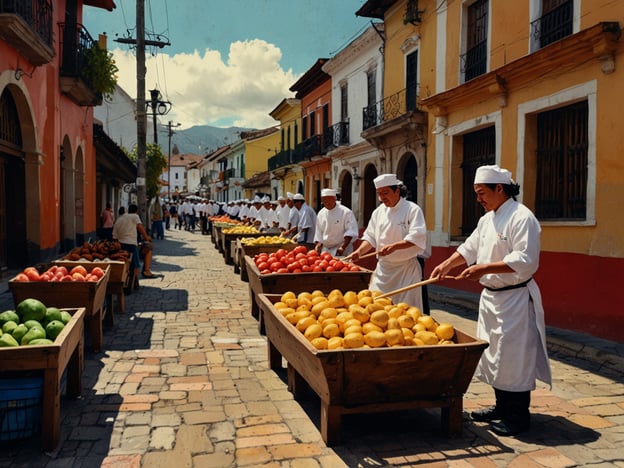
(183, 381)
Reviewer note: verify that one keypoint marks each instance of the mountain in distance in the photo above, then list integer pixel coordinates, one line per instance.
(201, 139)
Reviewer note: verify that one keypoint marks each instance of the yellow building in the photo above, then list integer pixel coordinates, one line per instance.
(287, 174)
(534, 87)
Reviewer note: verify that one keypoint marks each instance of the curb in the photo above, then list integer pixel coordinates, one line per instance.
(603, 353)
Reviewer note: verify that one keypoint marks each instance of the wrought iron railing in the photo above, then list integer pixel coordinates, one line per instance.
(554, 25)
(281, 159)
(336, 135)
(36, 13)
(75, 44)
(474, 61)
(390, 107)
(231, 172)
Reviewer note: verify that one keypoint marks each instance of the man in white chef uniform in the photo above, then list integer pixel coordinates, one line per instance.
(397, 231)
(336, 227)
(503, 254)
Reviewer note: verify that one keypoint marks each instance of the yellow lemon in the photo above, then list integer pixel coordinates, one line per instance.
(288, 295)
(352, 329)
(331, 330)
(329, 312)
(279, 305)
(353, 340)
(394, 336)
(375, 339)
(320, 343)
(318, 307)
(317, 293)
(363, 293)
(380, 318)
(335, 342)
(428, 322)
(304, 323)
(369, 327)
(393, 323)
(350, 297)
(313, 331)
(405, 321)
(365, 300)
(427, 337)
(445, 331)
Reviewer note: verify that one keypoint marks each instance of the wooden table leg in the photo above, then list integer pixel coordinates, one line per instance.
(95, 329)
(74, 371)
(51, 409)
(452, 422)
(274, 357)
(331, 422)
(296, 383)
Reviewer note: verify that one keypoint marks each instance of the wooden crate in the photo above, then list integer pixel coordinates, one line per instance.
(279, 283)
(250, 250)
(67, 351)
(117, 280)
(226, 241)
(90, 295)
(367, 380)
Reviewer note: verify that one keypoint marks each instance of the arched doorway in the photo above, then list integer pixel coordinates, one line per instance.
(67, 226)
(346, 190)
(79, 197)
(369, 193)
(13, 244)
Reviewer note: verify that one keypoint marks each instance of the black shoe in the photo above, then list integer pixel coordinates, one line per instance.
(509, 428)
(492, 413)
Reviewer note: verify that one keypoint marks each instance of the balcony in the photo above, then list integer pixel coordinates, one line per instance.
(76, 42)
(336, 135)
(390, 108)
(474, 61)
(554, 25)
(309, 148)
(281, 159)
(27, 27)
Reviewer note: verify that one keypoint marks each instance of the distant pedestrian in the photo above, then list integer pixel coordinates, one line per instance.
(108, 220)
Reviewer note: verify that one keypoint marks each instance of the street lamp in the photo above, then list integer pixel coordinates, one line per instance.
(175, 149)
(158, 107)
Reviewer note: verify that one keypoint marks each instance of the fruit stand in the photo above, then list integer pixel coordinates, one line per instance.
(277, 283)
(227, 239)
(242, 251)
(367, 380)
(90, 295)
(116, 281)
(67, 352)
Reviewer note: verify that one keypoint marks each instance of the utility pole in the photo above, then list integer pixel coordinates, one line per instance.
(141, 110)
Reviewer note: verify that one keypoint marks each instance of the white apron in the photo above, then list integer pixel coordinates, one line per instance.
(390, 276)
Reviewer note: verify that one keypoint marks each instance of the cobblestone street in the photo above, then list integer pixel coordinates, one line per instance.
(183, 381)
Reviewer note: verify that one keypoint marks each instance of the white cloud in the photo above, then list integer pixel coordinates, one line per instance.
(205, 90)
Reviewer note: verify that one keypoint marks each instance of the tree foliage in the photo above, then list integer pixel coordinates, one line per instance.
(155, 164)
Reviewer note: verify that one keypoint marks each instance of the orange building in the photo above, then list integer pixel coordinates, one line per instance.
(47, 155)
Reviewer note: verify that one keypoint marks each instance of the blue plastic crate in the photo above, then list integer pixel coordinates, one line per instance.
(20, 407)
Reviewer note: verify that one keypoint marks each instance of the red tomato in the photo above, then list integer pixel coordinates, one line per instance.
(292, 266)
(297, 270)
(339, 265)
(299, 249)
(52, 269)
(33, 274)
(317, 268)
(332, 262)
(313, 253)
(276, 266)
(302, 261)
(323, 264)
(263, 266)
(300, 255)
(22, 278)
(326, 256)
(46, 276)
(279, 253)
(345, 268)
(306, 268)
(282, 270)
(264, 272)
(62, 269)
(330, 268)
(93, 278)
(354, 268)
(66, 279)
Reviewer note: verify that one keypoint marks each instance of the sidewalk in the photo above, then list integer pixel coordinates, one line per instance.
(183, 381)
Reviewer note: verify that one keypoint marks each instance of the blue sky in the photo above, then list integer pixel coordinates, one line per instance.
(230, 61)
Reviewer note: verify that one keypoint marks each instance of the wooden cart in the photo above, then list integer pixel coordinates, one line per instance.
(279, 283)
(117, 281)
(243, 250)
(367, 380)
(90, 295)
(228, 239)
(67, 351)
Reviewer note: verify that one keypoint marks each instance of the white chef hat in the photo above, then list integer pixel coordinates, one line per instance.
(328, 192)
(266, 199)
(298, 196)
(280, 198)
(257, 199)
(289, 195)
(492, 175)
(386, 180)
